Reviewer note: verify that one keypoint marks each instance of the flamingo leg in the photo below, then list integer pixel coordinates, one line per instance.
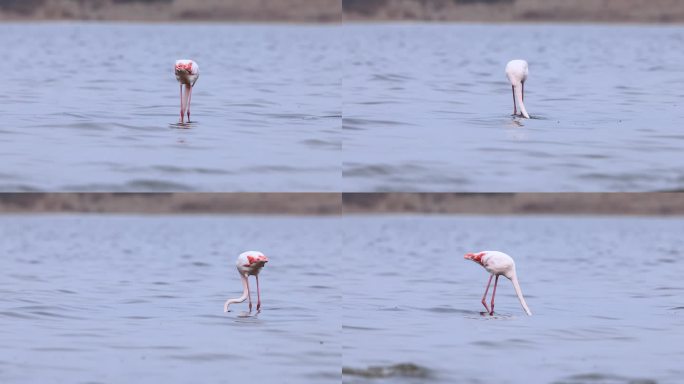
(182, 107)
(258, 293)
(249, 295)
(188, 90)
(515, 111)
(523, 91)
(484, 297)
(496, 281)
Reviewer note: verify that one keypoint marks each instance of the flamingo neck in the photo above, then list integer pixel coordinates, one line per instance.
(518, 292)
(519, 99)
(245, 292)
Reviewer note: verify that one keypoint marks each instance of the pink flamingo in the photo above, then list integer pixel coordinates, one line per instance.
(498, 263)
(248, 263)
(187, 73)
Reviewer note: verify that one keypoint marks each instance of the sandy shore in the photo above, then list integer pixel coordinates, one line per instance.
(641, 11)
(517, 203)
(173, 10)
(153, 203)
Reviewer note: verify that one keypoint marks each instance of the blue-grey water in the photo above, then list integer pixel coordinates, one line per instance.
(121, 299)
(427, 107)
(94, 107)
(606, 295)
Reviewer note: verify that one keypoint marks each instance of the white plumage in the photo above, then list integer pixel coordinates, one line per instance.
(498, 263)
(517, 71)
(248, 264)
(187, 73)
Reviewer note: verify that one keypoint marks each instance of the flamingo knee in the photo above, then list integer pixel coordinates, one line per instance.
(484, 302)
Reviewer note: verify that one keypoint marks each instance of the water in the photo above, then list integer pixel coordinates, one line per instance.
(606, 295)
(427, 107)
(140, 299)
(94, 107)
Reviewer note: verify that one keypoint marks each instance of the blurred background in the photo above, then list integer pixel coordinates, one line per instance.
(437, 67)
(218, 203)
(330, 10)
(127, 286)
(599, 272)
(516, 203)
(168, 10)
(516, 10)
(265, 66)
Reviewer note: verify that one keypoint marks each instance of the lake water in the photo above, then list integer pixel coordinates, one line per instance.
(94, 107)
(606, 295)
(427, 107)
(121, 299)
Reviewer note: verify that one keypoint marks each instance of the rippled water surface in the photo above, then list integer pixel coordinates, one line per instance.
(121, 299)
(428, 108)
(606, 295)
(93, 107)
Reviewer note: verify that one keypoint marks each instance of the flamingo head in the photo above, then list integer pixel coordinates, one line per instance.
(476, 257)
(184, 67)
(257, 260)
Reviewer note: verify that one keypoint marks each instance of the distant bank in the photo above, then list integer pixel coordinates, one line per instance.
(516, 203)
(165, 203)
(350, 203)
(173, 10)
(640, 11)
(327, 11)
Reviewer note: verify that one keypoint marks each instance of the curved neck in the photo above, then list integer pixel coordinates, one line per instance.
(518, 89)
(245, 292)
(518, 291)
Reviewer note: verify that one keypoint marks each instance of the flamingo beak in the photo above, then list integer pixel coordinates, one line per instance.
(468, 256)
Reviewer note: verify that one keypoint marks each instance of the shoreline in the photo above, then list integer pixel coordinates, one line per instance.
(554, 11)
(515, 22)
(514, 204)
(667, 12)
(310, 11)
(170, 21)
(306, 204)
(296, 23)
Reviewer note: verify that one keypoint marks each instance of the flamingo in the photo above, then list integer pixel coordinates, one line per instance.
(516, 71)
(498, 263)
(187, 73)
(248, 263)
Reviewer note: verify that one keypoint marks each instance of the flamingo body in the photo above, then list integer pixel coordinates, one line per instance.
(498, 264)
(248, 264)
(187, 73)
(517, 71)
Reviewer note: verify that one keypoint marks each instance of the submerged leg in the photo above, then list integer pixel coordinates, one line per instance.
(515, 111)
(258, 294)
(496, 281)
(484, 297)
